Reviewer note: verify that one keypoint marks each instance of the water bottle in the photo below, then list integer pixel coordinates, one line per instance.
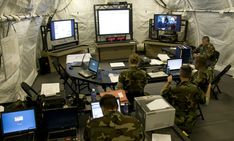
(126, 108)
(93, 95)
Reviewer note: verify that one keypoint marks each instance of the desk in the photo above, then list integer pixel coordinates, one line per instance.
(61, 55)
(174, 131)
(152, 48)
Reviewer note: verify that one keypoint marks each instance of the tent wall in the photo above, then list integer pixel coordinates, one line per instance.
(205, 18)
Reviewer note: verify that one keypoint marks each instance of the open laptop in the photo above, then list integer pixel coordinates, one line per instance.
(18, 125)
(92, 69)
(97, 110)
(173, 66)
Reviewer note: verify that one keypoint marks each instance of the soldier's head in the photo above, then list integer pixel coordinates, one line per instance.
(108, 103)
(185, 72)
(200, 62)
(205, 40)
(134, 60)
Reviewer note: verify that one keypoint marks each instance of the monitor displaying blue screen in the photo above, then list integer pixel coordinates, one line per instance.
(18, 121)
(62, 29)
(167, 22)
(93, 65)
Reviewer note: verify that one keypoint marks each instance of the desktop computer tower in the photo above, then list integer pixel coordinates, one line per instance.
(44, 65)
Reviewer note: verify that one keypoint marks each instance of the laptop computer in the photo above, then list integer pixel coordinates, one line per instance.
(173, 66)
(97, 110)
(18, 125)
(92, 69)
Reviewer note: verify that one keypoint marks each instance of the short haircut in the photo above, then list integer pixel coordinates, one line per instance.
(186, 71)
(134, 59)
(108, 101)
(206, 38)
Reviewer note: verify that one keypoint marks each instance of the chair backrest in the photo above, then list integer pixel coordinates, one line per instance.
(215, 57)
(219, 76)
(60, 70)
(29, 91)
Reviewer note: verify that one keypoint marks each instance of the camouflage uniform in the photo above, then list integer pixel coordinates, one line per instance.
(134, 81)
(202, 78)
(184, 97)
(114, 126)
(207, 52)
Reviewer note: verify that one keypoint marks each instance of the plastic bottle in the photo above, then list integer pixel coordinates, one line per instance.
(93, 95)
(126, 108)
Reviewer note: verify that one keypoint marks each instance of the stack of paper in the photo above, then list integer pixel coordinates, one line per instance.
(1, 108)
(157, 74)
(156, 62)
(117, 64)
(113, 77)
(50, 89)
(157, 104)
(161, 137)
(163, 57)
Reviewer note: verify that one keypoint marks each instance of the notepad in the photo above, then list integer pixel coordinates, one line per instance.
(49, 89)
(161, 137)
(156, 62)
(163, 57)
(157, 74)
(157, 104)
(117, 64)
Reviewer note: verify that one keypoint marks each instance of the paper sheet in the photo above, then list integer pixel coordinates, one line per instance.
(1, 108)
(157, 104)
(157, 74)
(117, 64)
(161, 137)
(113, 77)
(50, 89)
(163, 57)
(78, 58)
(156, 62)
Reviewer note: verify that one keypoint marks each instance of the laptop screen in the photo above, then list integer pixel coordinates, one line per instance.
(97, 110)
(18, 121)
(60, 118)
(93, 65)
(174, 64)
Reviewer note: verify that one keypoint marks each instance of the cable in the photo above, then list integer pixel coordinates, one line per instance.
(162, 4)
(65, 6)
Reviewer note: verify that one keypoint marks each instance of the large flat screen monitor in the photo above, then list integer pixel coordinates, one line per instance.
(19, 121)
(167, 22)
(113, 21)
(61, 29)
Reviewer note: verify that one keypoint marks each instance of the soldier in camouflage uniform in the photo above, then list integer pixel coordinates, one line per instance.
(204, 74)
(133, 80)
(184, 97)
(113, 126)
(206, 50)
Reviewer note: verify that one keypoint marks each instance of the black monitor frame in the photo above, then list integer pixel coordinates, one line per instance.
(121, 6)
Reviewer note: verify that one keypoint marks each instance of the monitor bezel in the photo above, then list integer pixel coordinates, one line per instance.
(156, 15)
(73, 29)
(98, 33)
(22, 131)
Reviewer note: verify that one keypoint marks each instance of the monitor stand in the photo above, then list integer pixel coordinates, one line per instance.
(168, 37)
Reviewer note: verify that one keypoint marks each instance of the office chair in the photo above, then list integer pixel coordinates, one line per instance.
(214, 59)
(216, 80)
(32, 95)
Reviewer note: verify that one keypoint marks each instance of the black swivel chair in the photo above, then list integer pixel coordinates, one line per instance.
(216, 81)
(32, 95)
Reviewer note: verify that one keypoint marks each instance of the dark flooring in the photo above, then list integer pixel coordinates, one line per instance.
(219, 114)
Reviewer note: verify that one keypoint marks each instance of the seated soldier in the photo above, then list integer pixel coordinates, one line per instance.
(204, 75)
(206, 50)
(133, 80)
(113, 125)
(184, 97)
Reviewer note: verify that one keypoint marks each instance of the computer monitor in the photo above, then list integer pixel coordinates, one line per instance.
(18, 121)
(58, 119)
(113, 21)
(167, 22)
(60, 29)
(93, 65)
(174, 64)
(97, 110)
